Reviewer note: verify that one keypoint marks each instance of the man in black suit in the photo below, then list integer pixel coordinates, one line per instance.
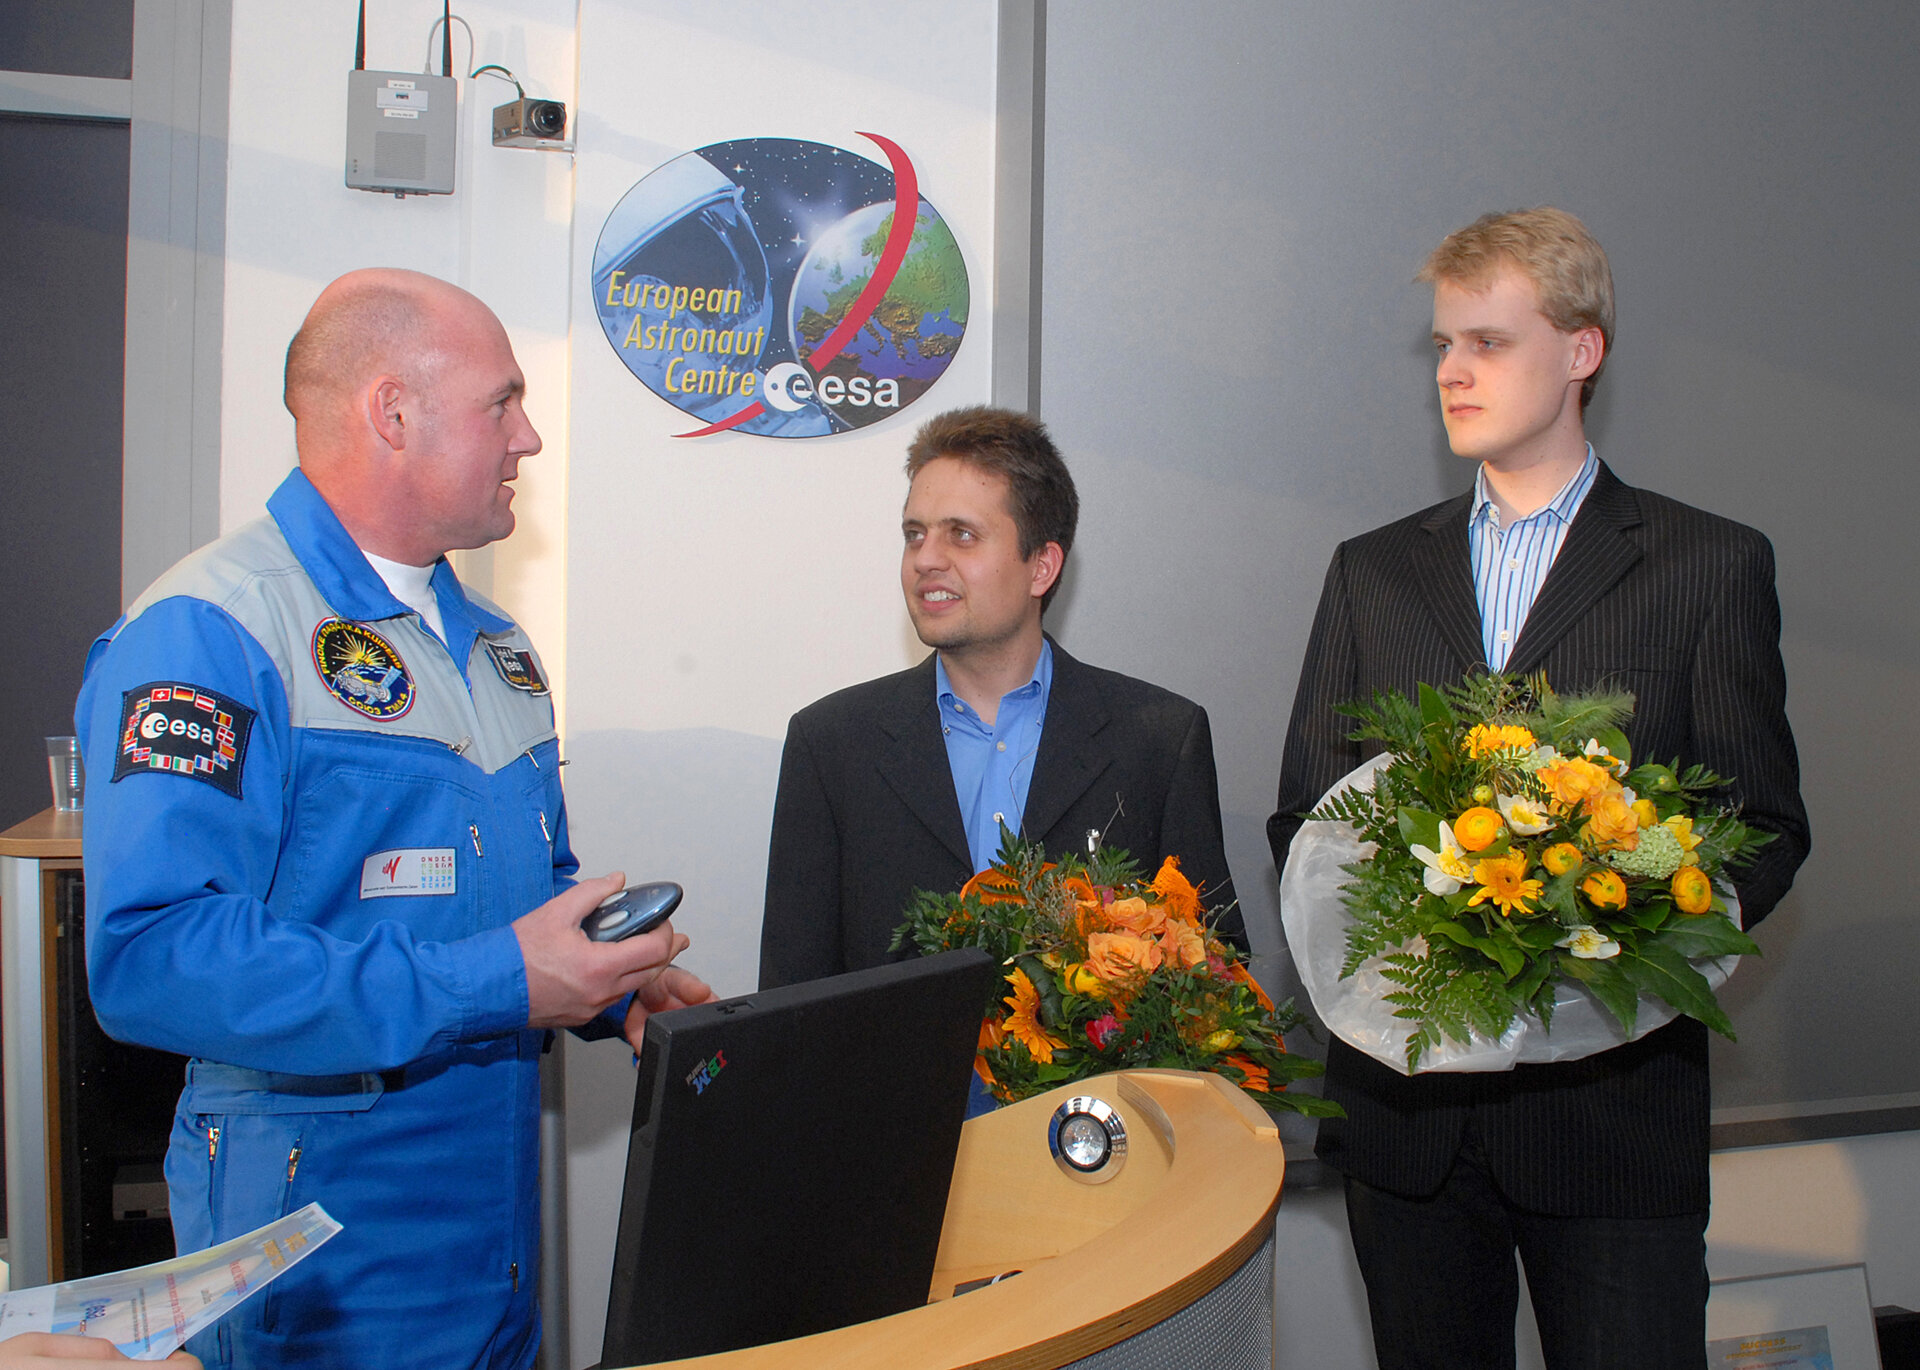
(903, 783)
(1594, 1170)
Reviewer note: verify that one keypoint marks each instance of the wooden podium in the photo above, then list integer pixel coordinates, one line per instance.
(1170, 1262)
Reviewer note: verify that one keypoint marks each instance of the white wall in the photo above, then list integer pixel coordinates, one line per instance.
(718, 584)
(292, 226)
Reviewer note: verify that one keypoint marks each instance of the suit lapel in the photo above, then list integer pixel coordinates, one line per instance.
(1070, 758)
(1443, 567)
(1596, 554)
(912, 759)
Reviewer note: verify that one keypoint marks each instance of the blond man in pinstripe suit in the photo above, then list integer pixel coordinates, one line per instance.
(1593, 1171)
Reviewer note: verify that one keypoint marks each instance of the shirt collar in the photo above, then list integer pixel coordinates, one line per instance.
(1562, 506)
(340, 571)
(1039, 684)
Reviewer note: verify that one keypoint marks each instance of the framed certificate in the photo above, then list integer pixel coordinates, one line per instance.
(1801, 1320)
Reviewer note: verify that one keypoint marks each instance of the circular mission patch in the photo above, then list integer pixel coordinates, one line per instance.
(361, 669)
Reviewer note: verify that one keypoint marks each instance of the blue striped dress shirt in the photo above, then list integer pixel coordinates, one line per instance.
(1511, 564)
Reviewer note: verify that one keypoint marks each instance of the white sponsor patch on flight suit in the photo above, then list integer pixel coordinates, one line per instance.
(412, 870)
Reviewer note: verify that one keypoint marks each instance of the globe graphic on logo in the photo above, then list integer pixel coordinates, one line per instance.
(750, 284)
(914, 331)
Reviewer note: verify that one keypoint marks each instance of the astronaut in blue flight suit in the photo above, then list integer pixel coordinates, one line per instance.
(327, 857)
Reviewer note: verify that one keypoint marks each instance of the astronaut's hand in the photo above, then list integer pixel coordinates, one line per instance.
(570, 979)
(676, 987)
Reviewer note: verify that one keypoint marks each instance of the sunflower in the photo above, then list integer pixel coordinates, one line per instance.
(1023, 1019)
(1483, 739)
(1503, 881)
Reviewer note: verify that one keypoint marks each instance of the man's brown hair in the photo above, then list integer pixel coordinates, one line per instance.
(1014, 446)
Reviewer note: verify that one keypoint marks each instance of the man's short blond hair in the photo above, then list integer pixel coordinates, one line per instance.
(1551, 248)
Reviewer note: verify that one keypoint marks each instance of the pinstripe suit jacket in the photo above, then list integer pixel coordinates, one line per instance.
(1673, 603)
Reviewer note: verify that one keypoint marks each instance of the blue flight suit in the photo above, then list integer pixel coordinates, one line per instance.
(309, 823)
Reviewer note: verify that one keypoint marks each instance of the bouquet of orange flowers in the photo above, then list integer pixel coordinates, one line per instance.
(1105, 972)
(1515, 847)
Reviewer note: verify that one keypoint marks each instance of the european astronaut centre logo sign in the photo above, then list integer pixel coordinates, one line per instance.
(784, 288)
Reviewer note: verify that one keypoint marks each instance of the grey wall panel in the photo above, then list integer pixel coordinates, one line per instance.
(1236, 364)
(70, 38)
(63, 215)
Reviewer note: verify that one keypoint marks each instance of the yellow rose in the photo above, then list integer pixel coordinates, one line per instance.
(1692, 891)
(1644, 811)
(1476, 829)
(1223, 1040)
(1605, 890)
(1561, 857)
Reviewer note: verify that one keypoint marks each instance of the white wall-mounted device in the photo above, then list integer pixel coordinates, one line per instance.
(402, 128)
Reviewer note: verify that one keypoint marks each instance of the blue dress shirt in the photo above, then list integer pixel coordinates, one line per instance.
(1511, 564)
(993, 766)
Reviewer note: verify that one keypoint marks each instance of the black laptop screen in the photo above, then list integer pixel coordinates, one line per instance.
(790, 1157)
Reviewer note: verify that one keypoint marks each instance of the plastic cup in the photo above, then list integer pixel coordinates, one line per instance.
(69, 776)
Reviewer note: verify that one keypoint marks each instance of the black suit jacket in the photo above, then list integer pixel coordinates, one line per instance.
(866, 811)
(1670, 602)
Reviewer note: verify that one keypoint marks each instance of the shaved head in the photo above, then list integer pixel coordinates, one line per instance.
(406, 402)
(369, 323)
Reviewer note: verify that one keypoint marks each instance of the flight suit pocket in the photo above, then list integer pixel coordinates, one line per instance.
(258, 1128)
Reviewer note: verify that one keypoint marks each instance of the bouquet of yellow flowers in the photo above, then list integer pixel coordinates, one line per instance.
(1517, 848)
(1105, 972)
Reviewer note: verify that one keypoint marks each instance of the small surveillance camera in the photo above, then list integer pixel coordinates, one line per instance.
(529, 123)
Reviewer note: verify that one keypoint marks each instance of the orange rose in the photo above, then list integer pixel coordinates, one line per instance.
(1183, 945)
(1605, 890)
(1572, 781)
(1475, 829)
(1136, 915)
(1692, 891)
(1612, 823)
(1120, 958)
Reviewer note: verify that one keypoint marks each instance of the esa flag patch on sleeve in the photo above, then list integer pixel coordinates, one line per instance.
(186, 730)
